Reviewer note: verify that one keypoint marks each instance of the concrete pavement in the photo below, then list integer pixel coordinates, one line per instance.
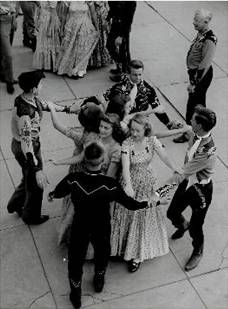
(33, 272)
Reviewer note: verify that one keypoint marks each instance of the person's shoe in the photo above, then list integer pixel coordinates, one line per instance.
(194, 260)
(181, 139)
(180, 232)
(133, 266)
(115, 78)
(98, 281)
(11, 209)
(38, 221)
(10, 88)
(75, 298)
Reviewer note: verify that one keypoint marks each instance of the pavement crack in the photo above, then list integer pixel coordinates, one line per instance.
(224, 256)
(37, 298)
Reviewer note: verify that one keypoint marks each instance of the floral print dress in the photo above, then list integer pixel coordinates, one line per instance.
(140, 234)
(100, 56)
(79, 40)
(48, 37)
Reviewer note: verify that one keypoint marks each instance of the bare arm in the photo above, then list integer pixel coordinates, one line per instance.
(164, 157)
(112, 169)
(56, 122)
(70, 160)
(150, 110)
(167, 133)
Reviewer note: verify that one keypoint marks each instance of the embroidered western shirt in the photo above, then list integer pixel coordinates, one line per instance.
(25, 122)
(145, 96)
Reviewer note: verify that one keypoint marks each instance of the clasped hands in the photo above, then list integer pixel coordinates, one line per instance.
(41, 179)
(154, 198)
(191, 88)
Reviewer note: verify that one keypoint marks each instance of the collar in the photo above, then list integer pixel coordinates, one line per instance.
(92, 173)
(133, 84)
(29, 101)
(204, 136)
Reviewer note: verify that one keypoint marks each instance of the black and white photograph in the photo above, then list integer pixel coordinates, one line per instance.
(114, 154)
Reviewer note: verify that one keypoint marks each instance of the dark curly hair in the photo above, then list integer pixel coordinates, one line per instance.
(89, 116)
(117, 102)
(117, 132)
(206, 117)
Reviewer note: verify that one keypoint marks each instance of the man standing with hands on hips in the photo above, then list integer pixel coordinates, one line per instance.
(199, 60)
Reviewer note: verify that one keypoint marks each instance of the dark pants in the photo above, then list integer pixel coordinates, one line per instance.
(121, 56)
(27, 196)
(80, 238)
(199, 95)
(163, 117)
(6, 62)
(29, 24)
(198, 197)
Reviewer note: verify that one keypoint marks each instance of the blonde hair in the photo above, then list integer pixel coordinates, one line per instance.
(142, 120)
(205, 14)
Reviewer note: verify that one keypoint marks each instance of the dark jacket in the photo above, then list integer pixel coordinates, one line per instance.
(91, 194)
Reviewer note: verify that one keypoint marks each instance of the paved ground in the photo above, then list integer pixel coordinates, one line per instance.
(33, 273)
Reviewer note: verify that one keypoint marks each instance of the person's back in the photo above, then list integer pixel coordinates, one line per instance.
(91, 193)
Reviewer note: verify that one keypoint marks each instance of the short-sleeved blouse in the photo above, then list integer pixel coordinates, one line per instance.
(82, 138)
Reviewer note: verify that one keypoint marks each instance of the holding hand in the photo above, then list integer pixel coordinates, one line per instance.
(41, 179)
(118, 41)
(54, 161)
(50, 196)
(129, 190)
(50, 105)
(191, 88)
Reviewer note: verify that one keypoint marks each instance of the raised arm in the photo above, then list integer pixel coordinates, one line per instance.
(167, 133)
(70, 160)
(163, 155)
(56, 122)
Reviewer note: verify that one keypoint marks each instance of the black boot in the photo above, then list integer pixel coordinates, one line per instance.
(11, 209)
(180, 232)
(194, 259)
(37, 221)
(98, 281)
(75, 294)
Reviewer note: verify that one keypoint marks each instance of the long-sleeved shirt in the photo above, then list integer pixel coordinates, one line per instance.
(91, 194)
(202, 164)
(201, 54)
